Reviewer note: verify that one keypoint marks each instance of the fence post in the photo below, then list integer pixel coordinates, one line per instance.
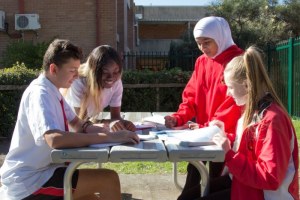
(157, 96)
(290, 75)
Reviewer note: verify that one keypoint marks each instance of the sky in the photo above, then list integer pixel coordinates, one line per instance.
(173, 2)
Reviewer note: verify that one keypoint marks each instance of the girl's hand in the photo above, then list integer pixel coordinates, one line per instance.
(119, 125)
(218, 123)
(222, 141)
(170, 121)
(128, 125)
(193, 125)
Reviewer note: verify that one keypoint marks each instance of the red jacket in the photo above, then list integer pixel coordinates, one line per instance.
(265, 165)
(204, 96)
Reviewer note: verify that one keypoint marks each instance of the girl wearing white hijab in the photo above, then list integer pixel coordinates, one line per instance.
(204, 97)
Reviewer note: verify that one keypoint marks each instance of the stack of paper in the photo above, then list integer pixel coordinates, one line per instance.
(197, 137)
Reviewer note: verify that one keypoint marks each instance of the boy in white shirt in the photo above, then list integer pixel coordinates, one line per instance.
(42, 125)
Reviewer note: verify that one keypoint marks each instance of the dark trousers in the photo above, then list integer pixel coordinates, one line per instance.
(191, 188)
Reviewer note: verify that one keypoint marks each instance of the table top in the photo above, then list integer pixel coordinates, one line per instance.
(152, 150)
(204, 153)
(86, 154)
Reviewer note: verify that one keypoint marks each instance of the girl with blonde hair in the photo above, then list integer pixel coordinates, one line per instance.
(263, 162)
(99, 85)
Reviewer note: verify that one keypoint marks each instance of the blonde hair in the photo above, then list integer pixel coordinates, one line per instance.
(91, 72)
(250, 67)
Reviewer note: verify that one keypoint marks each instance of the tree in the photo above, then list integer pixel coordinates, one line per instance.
(289, 12)
(251, 21)
(183, 54)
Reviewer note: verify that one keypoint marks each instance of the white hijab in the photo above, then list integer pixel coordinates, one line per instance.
(216, 28)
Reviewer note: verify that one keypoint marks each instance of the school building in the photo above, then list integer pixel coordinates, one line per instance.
(90, 23)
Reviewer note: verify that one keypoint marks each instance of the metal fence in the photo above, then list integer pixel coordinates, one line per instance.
(284, 70)
(157, 61)
(283, 61)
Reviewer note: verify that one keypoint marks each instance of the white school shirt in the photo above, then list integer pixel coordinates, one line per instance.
(110, 96)
(27, 165)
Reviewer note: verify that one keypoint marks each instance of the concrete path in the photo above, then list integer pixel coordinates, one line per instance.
(149, 187)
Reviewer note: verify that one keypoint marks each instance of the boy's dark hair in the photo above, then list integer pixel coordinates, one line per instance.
(59, 52)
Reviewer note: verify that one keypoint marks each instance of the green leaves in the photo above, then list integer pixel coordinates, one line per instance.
(24, 52)
(253, 21)
(148, 99)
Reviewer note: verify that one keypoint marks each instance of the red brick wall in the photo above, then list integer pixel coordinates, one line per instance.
(74, 20)
(108, 22)
(10, 8)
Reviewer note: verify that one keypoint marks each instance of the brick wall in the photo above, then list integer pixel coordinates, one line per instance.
(108, 22)
(10, 8)
(68, 19)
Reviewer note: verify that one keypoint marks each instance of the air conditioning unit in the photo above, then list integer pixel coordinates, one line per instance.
(2, 20)
(27, 22)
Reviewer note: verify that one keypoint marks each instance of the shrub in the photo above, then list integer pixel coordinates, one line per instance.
(24, 52)
(10, 99)
(134, 99)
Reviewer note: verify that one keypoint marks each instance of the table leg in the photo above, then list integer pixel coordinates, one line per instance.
(68, 179)
(204, 176)
(175, 172)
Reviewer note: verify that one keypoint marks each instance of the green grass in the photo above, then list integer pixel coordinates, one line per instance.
(141, 167)
(155, 167)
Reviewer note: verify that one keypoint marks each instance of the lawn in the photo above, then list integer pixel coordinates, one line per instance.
(158, 168)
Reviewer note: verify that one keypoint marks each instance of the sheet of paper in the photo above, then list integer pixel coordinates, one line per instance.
(142, 138)
(156, 119)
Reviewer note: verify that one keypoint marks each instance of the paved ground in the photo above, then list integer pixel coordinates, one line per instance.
(134, 186)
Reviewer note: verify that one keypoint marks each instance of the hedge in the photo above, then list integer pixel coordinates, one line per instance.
(158, 94)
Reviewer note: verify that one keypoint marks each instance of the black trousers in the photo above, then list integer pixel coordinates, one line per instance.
(191, 188)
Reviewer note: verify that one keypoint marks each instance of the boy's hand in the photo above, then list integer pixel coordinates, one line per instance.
(124, 136)
(170, 121)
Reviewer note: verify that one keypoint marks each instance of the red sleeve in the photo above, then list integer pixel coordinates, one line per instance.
(186, 110)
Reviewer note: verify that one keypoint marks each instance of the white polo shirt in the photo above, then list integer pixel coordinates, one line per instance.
(110, 96)
(27, 165)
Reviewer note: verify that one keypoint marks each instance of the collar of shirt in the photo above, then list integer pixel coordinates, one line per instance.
(43, 80)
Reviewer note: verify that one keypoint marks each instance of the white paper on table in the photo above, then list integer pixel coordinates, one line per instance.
(197, 137)
(109, 144)
(155, 119)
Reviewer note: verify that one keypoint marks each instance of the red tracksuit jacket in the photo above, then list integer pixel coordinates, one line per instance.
(204, 96)
(265, 166)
